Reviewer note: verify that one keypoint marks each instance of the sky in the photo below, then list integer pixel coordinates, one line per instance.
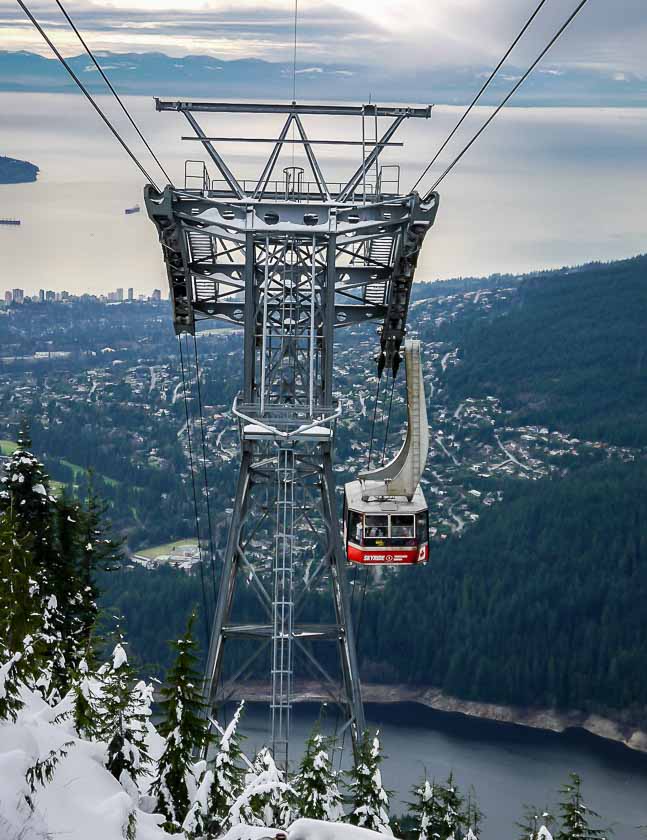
(543, 187)
(608, 35)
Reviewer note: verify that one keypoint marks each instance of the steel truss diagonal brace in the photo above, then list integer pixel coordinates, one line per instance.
(215, 157)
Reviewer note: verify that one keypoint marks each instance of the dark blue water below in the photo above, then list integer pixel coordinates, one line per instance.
(507, 765)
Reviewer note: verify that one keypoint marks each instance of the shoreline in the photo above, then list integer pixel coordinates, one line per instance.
(549, 720)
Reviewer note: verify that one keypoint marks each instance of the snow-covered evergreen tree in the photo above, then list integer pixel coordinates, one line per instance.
(473, 817)
(451, 805)
(88, 679)
(316, 783)
(184, 729)
(98, 551)
(31, 649)
(370, 799)
(226, 777)
(25, 493)
(198, 820)
(534, 824)
(19, 598)
(53, 679)
(85, 708)
(25, 497)
(575, 815)
(267, 798)
(121, 711)
(425, 810)
(65, 586)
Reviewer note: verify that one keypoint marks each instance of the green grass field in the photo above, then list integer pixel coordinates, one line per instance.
(8, 447)
(164, 549)
(77, 470)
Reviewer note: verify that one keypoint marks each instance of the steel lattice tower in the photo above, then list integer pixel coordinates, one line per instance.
(290, 258)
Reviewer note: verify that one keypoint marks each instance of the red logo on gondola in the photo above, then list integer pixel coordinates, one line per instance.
(389, 558)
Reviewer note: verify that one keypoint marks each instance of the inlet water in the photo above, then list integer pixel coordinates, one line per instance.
(506, 765)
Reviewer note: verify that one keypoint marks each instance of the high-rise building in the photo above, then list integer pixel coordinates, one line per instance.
(157, 295)
(8, 297)
(131, 293)
(65, 295)
(120, 294)
(41, 295)
(18, 295)
(50, 295)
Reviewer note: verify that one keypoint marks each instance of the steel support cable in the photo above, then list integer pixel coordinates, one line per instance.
(195, 497)
(357, 637)
(114, 92)
(212, 549)
(352, 595)
(388, 420)
(294, 54)
(375, 402)
(87, 94)
(294, 75)
(555, 37)
(484, 86)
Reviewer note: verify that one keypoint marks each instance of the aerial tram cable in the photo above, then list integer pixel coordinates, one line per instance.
(204, 471)
(294, 53)
(294, 72)
(355, 576)
(114, 92)
(388, 420)
(87, 94)
(480, 93)
(555, 37)
(368, 466)
(207, 621)
(375, 402)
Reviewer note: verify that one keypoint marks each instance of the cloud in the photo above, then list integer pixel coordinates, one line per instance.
(378, 33)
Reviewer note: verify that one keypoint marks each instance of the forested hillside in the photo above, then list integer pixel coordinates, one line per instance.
(571, 353)
(535, 479)
(540, 603)
(539, 600)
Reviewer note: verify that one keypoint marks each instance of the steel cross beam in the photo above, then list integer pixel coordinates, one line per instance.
(289, 266)
(369, 110)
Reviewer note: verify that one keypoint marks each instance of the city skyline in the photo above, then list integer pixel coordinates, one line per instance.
(119, 295)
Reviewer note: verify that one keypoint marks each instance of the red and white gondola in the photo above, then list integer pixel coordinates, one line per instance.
(382, 531)
(386, 520)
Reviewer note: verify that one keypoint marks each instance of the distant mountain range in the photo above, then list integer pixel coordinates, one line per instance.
(203, 76)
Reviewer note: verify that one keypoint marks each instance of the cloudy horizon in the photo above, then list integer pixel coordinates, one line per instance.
(370, 32)
(543, 187)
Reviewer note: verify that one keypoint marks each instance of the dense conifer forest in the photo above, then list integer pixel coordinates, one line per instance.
(535, 603)
(571, 353)
(539, 603)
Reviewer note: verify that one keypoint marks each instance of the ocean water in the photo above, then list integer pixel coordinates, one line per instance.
(542, 187)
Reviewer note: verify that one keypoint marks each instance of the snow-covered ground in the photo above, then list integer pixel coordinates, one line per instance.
(82, 800)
